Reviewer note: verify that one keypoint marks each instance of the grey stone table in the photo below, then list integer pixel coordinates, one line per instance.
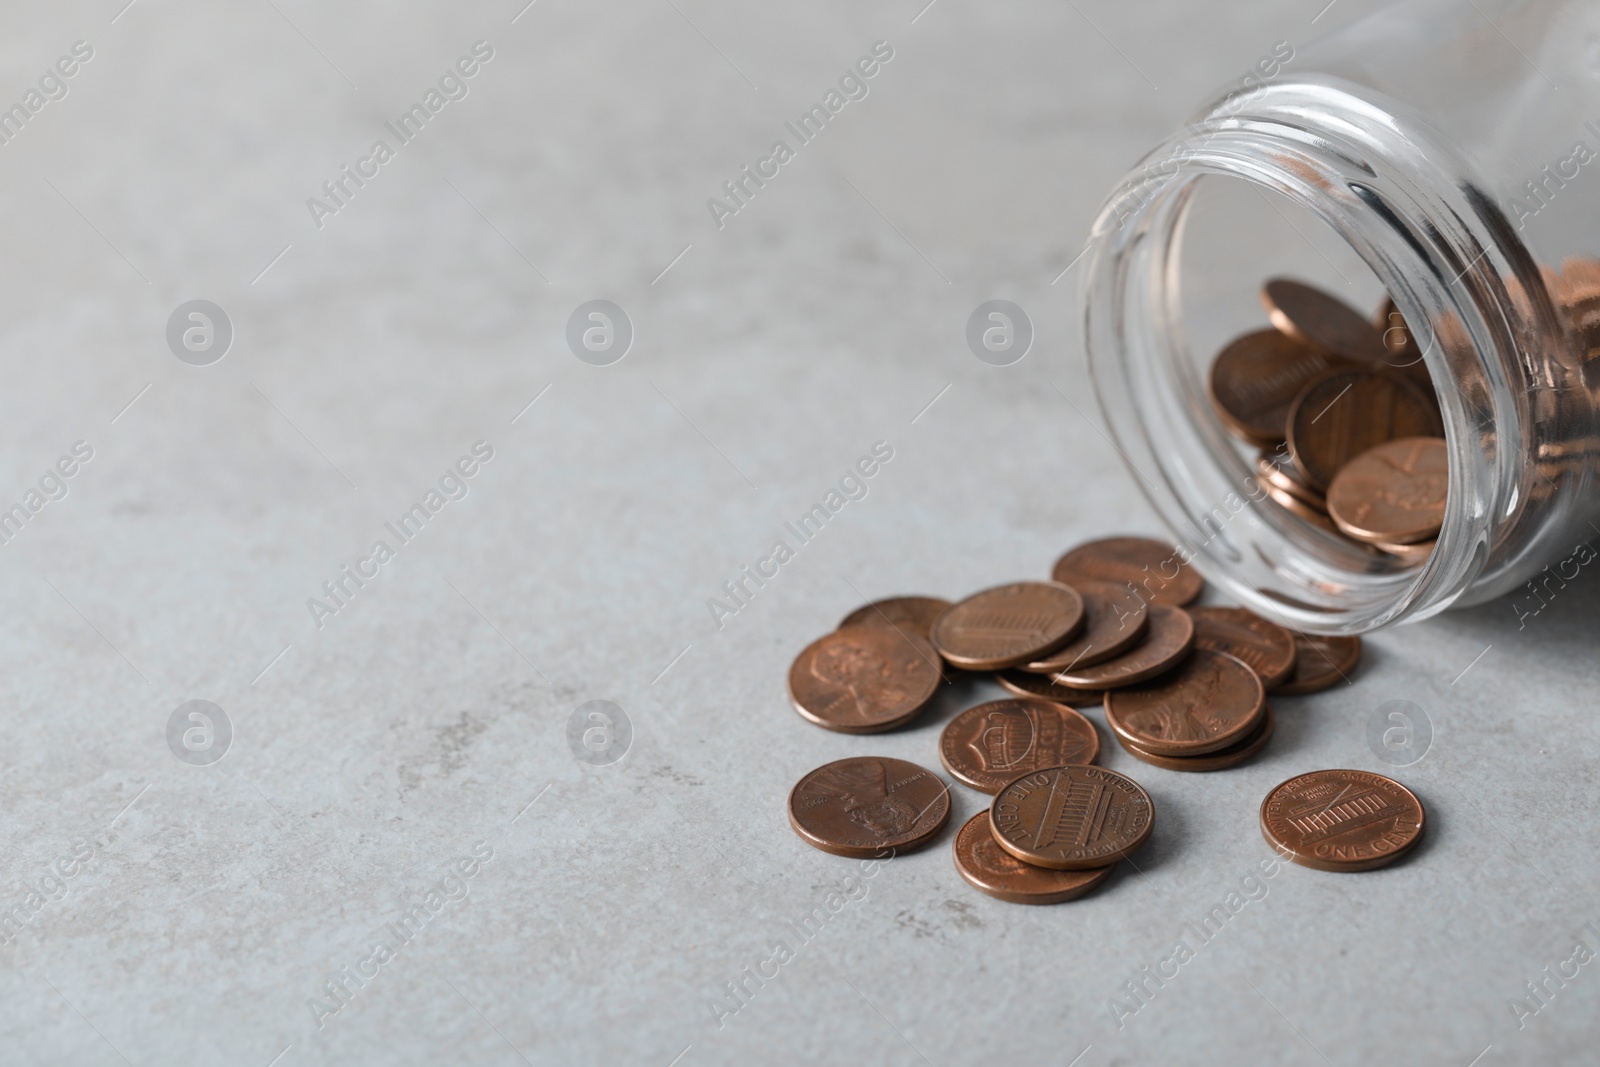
(399, 858)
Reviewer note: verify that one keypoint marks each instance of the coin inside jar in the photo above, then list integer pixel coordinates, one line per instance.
(1072, 818)
(1345, 412)
(864, 679)
(1008, 624)
(1115, 621)
(1266, 647)
(1210, 702)
(1321, 320)
(989, 745)
(1168, 639)
(1320, 661)
(1256, 377)
(1155, 570)
(990, 869)
(913, 614)
(1394, 493)
(866, 805)
(1342, 820)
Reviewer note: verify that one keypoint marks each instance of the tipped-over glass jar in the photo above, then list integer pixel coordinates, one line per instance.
(1442, 154)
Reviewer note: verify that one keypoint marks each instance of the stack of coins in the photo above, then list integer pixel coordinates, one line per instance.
(1181, 688)
(1345, 416)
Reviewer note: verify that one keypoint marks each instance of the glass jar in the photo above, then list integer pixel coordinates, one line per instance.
(1445, 155)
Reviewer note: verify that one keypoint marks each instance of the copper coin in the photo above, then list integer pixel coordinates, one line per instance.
(1071, 818)
(863, 679)
(1277, 471)
(1156, 570)
(1116, 622)
(991, 869)
(1344, 413)
(1410, 555)
(1300, 509)
(1209, 703)
(1255, 379)
(1321, 320)
(1025, 684)
(1008, 624)
(988, 745)
(1265, 647)
(1320, 661)
(1166, 643)
(865, 805)
(1219, 760)
(1394, 493)
(1342, 820)
(913, 614)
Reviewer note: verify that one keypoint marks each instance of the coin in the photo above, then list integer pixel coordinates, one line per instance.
(1008, 624)
(1342, 820)
(1072, 818)
(1320, 661)
(1300, 509)
(1025, 684)
(1323, 321)
(1156, 570)
(989, 745)
(1209, 703)
(1394, 493)
(1410, 555)
(1166, 643)
(1345, 412)
(863, 679)
(1265, 647)
(991, 869)
(1221, 759)
(1277, 470)
(1256, 377)
(866, 805)
(913, 614)
(1116, 621)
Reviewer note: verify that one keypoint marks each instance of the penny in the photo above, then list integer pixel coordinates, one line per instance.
(1410, 555)
(990, 869)
(1071, 818)
(1299, 508)
(866, 805)
(1167, 641)
(1025, 684)
(913, 614)
(1316, 318)
(1277, 470)
(1209, 703)
(1342, 820)
(1394, 493)
(1219, 760)
(1320, 661)
(1155, 570)
(1256, 377)
(1116, 621)
(988, 745)
(863, 679)
(1265, 647)
(1345, 412)
(1008, 624)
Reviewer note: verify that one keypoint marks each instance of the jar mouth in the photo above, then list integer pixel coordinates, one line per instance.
(1407, 206)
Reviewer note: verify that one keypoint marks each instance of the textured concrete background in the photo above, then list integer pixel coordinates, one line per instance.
(209, 907)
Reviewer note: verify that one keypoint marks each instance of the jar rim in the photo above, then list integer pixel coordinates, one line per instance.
(1408, 206)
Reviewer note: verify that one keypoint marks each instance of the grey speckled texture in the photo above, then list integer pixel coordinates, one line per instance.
(427, 715)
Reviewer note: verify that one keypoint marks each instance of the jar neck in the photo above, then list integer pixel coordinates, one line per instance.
(1409, 207)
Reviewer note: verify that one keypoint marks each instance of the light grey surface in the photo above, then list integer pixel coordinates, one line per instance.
(431, 713)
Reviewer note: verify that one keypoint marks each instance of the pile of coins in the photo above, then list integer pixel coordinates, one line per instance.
(1345, 417)
(1182, 688)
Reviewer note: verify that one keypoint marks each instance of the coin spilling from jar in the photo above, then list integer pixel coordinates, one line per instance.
(1180, 688)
